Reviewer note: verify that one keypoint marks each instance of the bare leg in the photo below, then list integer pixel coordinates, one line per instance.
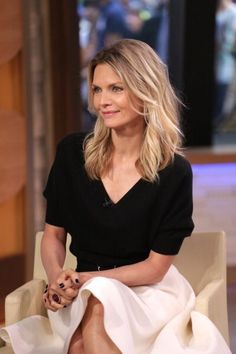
(95, 338)
(76, 343)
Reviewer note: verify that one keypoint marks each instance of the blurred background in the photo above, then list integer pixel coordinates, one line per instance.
(45, 47)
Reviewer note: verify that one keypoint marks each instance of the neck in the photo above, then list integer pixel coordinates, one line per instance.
(127, 145)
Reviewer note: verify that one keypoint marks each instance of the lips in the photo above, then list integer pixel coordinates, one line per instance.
(109, 113)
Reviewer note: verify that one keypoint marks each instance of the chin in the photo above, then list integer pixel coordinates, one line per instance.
(115, 126)
(111, 125)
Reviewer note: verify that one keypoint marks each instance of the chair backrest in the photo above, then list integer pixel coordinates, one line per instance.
(39, 272)
(202, 258)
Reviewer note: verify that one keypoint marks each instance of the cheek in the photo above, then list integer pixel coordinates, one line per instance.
(123, 102)
(95, 102)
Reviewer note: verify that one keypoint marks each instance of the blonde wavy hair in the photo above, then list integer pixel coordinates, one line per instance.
(146, 77)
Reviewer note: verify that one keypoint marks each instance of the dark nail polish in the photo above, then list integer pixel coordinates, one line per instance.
(61, 285)
(56, 298)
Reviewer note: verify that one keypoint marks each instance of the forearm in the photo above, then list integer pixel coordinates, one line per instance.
(53, 252)
(146, 272)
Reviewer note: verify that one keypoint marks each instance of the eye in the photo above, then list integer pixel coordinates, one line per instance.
(96, 89)
(117, 88)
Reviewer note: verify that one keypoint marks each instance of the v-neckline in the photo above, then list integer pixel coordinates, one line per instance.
(124, 196)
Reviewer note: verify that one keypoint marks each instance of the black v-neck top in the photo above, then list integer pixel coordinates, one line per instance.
(150, 216)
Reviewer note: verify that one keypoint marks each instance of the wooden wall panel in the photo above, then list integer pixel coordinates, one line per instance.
(11, 84)
(10, 29)
(12, 135)
(12, 154)
(12, 214)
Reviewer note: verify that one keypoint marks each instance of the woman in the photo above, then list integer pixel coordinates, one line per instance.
(124, 193)
(126, 199)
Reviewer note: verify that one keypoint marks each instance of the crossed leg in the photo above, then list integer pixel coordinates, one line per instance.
(91, 337)
(76, 343)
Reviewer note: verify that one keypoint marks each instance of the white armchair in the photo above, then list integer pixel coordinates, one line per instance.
(202, 260)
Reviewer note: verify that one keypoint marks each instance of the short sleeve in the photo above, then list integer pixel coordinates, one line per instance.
(176, 223)
(52, 194)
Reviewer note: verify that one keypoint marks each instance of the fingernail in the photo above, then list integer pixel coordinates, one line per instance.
(61, 285)
(56, 298)
(77, 280)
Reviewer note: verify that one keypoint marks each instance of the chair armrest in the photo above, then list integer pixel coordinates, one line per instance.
(6, 350)
(2, 343)
(212, 302)
(25, 301)
(206, 296)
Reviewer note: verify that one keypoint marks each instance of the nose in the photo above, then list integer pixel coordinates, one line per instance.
(104, 99)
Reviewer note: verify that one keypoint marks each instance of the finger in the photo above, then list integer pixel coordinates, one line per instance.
(68, 273)
(71, 293)
(63, 278)
(52, 305)
(58, 302)
(75, 279)
(64, 284)
(47, 303)
(60, 292)
(56, 298)
(65, 302)
(68, 278)
(56, 306)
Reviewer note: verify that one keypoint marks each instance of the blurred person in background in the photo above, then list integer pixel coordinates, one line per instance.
(225, 57)
(134, 19)
(102, 23)
(111, 25)
(155, 31)
(88, 16)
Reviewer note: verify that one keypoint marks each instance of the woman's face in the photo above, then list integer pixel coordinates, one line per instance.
(112, 99)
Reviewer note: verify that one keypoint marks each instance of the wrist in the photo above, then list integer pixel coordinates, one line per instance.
(54, 274)
(84, 276)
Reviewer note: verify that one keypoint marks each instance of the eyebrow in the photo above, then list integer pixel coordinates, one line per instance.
(110, 85)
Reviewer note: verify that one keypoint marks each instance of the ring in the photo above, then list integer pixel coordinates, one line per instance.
(56, 298)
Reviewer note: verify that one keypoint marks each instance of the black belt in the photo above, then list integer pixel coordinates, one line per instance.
(91, 267)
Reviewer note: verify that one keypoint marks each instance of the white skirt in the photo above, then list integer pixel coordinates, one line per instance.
(139, 320)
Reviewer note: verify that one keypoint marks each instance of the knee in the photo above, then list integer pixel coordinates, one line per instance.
(95, 306)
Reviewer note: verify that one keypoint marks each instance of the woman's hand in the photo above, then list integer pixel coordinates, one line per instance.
(62, 291)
